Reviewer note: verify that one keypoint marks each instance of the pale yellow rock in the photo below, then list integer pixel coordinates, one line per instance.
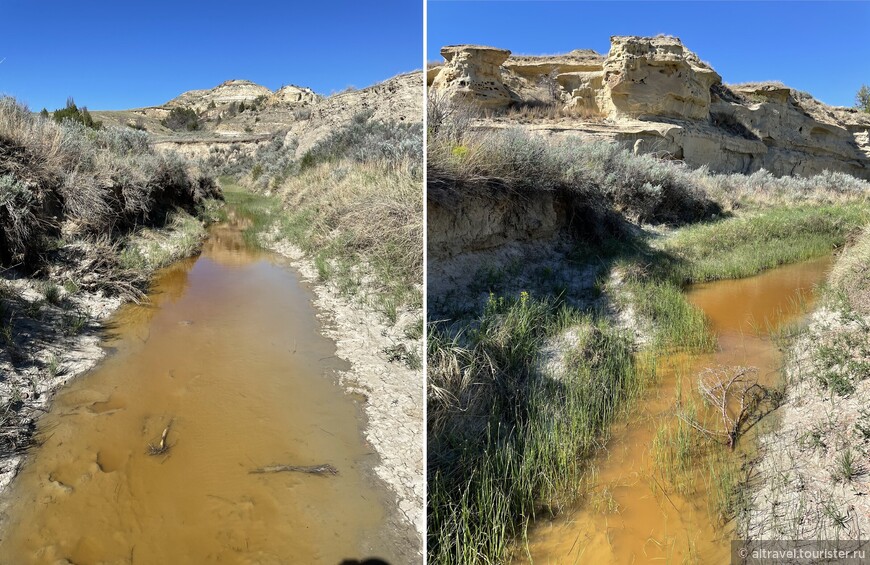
(658, 97)
(535, 66)
(655, 76)
(291, 94)
(223, 94)
(582, 88)
(472, 73)
(432, 72)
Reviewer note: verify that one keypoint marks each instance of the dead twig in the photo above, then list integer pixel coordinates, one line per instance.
(323, 469)
(162, 446)
(739, 399)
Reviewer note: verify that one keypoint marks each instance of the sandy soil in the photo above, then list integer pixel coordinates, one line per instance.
(34, 382)
(798, 490)
(394, 393)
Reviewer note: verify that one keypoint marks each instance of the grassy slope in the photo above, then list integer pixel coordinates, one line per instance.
(353, 204)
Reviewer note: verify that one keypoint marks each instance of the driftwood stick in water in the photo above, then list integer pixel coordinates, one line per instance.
(161, 447)
(325, 469)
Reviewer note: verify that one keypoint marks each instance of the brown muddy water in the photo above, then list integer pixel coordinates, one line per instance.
(631, 514)
(228, 355)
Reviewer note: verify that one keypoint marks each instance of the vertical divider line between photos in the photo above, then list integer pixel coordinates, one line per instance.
(425, 96)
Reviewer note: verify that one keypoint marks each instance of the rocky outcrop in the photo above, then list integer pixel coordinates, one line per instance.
(397, 99)
(653, 95)
(295, 113)
(292, 94)
(223, 94)
(655, 76)
(472, 73)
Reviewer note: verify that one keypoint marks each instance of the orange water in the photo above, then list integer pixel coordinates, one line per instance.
(631, 514)
(230, 356)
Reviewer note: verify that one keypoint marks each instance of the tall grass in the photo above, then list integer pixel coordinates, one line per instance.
(507, 442)
(354, 205)
(747, 244)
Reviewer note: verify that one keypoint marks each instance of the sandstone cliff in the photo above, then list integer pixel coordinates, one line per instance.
(653, 95)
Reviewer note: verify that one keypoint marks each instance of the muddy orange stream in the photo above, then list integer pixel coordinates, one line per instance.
(229, 356)
(628, 518)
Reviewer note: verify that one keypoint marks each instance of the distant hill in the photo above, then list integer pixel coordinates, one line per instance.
(240, 111)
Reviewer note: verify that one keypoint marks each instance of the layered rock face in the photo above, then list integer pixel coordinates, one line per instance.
(223, 94)
(291, 94)
(653, 95)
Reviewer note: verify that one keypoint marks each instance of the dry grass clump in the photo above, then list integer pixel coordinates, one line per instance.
(851, 273)
(71, 181)
(540, 111)
(370, 210)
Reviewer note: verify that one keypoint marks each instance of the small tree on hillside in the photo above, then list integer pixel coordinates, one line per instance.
(181, 119)
(862, 99)
(76, 114)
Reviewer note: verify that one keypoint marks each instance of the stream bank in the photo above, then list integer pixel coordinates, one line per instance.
(62, 333)
(653, 492)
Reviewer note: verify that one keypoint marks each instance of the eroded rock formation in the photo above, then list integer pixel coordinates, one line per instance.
(653, 95)
(297, 114)
(224, 93)
(655, 76)
(472, 72)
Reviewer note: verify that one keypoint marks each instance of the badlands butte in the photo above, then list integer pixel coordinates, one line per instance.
(588, 401)
(294, 114)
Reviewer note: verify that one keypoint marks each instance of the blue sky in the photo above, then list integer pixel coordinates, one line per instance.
(117, 54)
(819, 47)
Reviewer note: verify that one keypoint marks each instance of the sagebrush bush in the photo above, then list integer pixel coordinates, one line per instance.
(641, 187)
(365, 140)
(71, 179)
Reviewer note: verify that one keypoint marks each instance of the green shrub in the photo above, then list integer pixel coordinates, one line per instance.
(182, 119)
(73, 113)
(862, 98)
